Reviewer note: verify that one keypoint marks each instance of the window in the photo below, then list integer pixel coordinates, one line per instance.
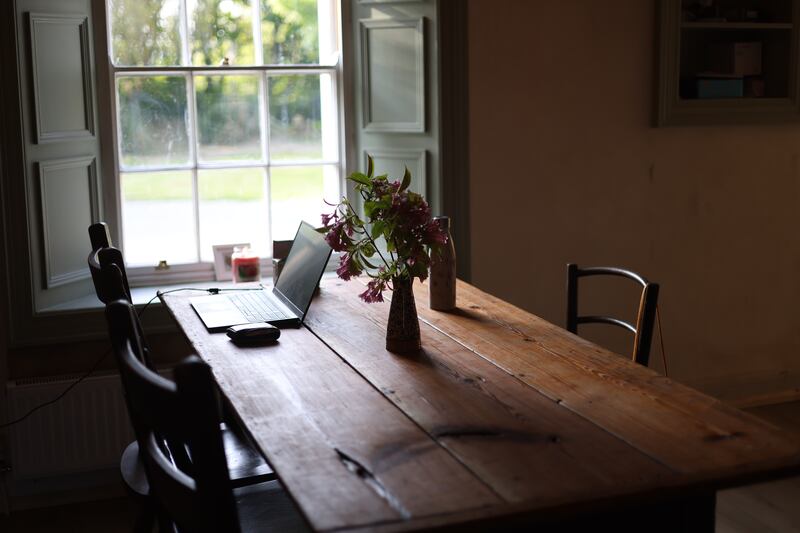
(227, 122)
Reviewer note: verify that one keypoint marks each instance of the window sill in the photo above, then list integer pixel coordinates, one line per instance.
(145, 292)
(180, 275)
(82, 319)
(141, 295)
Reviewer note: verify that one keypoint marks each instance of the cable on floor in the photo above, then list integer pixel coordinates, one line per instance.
(96, 365)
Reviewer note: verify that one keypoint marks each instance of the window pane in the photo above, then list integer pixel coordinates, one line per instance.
(145, 32)
(228, 117)
(221, 29)
(295, 117)
(158, 220)
(152, 119)
(299, 193)
(233, 209)
(290, 31)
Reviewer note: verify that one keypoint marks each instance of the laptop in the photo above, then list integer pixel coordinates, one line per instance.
(287, 303)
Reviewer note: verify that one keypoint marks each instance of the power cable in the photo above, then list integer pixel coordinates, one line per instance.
(212, 290)
(661, 339)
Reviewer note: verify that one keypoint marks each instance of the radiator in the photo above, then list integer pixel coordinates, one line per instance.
(86, 430)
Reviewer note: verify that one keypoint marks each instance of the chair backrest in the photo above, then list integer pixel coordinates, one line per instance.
(645, 317)
(186, 414)
(107, 267)
(103, 254)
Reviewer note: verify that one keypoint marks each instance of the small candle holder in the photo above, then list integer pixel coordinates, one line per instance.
(245, 264)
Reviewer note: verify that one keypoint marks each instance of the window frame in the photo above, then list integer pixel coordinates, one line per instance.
(204, 271)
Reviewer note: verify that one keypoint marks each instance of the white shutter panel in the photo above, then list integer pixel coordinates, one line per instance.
(57, 192)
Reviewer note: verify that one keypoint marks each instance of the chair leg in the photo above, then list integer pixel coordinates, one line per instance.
(146, 518)
(165, 525)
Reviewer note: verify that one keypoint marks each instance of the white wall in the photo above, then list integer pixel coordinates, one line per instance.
(566, 167)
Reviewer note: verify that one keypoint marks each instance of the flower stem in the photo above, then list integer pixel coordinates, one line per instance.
(396, 247)
(365, 197)
(367, 235)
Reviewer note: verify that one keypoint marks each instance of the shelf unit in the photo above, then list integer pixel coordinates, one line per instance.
(737, 25)
(688, 64)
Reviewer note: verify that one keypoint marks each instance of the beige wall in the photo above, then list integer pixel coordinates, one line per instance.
(565, 166)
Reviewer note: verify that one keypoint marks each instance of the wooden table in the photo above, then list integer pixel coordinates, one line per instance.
(503, 418)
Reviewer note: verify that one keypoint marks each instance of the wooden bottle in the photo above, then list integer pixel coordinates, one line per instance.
(442, 288)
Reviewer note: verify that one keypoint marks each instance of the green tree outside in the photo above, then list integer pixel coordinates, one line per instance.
(153, 113)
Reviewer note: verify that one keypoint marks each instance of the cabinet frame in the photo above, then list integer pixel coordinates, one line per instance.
(671, 110)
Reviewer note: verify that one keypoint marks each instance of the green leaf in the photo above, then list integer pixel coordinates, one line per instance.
(369, 208)
(370, 166)
(377, 229)
(390, 245)
(360, 178)
(406, 180)
(368, 250)
(368, 264)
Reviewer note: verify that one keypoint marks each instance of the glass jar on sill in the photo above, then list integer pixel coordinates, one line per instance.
(245, 264)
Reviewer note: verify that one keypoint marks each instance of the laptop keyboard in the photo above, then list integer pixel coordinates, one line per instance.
(256, 306)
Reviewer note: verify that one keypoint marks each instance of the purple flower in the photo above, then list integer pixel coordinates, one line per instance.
(402, 216)
(374, 292)
(433, 233)
(327, 217)
(347, 268)
(337, 238)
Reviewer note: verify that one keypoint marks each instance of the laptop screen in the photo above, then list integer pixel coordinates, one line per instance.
(303, 267)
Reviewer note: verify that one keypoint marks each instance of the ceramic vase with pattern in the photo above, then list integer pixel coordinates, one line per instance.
(402, 330)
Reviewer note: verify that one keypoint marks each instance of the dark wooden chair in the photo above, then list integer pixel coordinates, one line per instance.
(247, 467)
(103, 253)
(185, 416)
(645, 317)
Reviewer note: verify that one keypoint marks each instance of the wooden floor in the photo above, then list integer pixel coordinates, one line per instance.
(105, 516)
(765, 508)
(768, 507)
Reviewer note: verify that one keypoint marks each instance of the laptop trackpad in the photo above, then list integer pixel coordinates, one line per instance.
(217, 312)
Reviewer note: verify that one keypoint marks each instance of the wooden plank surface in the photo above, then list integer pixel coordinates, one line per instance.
(522, 444)
(684, 429)
(501, 414)
(346, 455)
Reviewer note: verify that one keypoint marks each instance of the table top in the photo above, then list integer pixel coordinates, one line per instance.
(501, 414)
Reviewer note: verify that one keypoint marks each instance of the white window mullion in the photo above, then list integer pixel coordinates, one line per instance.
(191, 120)
(263, 116)
(218, 69)
(194, 148)
(266, 148)
(263, 112)
(257, 39)
(263, 108)
(184, 32)
(268, 206)
(118, 127)
(196, 212)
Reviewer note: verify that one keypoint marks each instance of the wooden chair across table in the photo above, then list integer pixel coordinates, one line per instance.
(184, 416)
(645, 317)
(246, 464)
